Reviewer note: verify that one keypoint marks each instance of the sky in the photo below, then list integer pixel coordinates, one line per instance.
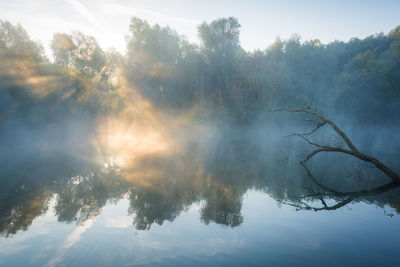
(262, 21)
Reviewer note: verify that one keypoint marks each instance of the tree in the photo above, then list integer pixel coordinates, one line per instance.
(150, 47)
(153, 53)
(347, 197)
(220, 36)
(79, 52)
(14, 41)
(221, 46)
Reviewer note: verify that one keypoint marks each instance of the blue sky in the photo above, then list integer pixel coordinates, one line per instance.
(262, 21)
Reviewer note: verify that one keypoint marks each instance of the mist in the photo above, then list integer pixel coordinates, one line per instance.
(170, 124)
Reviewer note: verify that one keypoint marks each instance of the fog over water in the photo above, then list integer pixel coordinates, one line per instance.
(178, 154)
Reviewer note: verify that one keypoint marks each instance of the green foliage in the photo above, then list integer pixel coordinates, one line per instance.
(79, 52)
(149, 45)
(359, 78)
(14, 41)
(220, 36)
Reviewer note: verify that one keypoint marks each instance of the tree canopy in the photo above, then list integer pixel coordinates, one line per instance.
(359, 78)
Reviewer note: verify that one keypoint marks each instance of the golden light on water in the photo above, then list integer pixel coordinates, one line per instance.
(136, 132)
(126, 141)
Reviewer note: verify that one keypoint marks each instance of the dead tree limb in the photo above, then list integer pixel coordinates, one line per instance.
(348, 197)
(352, 150)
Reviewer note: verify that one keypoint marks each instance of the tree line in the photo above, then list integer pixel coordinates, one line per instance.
(358, 79)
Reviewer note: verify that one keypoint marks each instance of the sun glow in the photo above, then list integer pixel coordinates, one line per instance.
(126, 141)
(136, 132)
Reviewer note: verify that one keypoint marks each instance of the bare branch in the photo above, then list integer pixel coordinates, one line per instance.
(353, 151)
(379, 165)
(308, 140)
(350, 196)
(323, 201)
(319, 184)
(312, 111)
(319, 125)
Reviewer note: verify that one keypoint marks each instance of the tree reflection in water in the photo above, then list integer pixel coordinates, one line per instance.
(217, 177)
(341, 198)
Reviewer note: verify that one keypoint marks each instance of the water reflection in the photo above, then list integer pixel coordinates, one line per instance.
(160, 186)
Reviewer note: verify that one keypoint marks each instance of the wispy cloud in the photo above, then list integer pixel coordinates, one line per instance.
(119, 222)
(83, 11)
(117, 9)
(75, 236)
(71, 239)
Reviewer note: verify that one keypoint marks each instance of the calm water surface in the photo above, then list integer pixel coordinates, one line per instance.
(225, 199)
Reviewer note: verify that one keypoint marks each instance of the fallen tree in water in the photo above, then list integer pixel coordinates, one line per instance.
(351, 150)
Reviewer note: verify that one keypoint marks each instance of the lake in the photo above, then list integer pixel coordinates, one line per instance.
(201, 195)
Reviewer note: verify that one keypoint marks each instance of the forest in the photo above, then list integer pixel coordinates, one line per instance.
(74, 117)
(357, 81)
(199, 133)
